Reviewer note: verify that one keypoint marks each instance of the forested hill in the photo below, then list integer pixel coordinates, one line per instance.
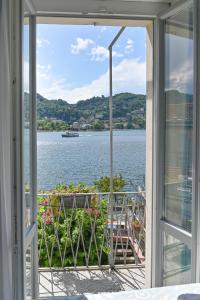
(123, 104)
(128, 109)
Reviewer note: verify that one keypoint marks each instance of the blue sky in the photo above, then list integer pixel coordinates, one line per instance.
(72, 61)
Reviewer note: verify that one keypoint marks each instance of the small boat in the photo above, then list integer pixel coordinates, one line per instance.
(70, 134)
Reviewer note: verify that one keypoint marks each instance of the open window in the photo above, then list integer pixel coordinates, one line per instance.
(171, 156)
(176, 196)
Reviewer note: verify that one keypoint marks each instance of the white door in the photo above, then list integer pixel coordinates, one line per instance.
(176, 191)
(29, 159)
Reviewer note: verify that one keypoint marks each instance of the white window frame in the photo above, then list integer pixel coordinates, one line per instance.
(154, 158)
(159, 225)
(22, 239)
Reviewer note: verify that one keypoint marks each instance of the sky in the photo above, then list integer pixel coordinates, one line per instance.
(73, 61)
(179, 64)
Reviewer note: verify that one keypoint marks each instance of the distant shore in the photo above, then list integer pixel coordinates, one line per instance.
(91, 130)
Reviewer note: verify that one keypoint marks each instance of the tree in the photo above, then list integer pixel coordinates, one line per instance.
(103, 184)
(99, 125)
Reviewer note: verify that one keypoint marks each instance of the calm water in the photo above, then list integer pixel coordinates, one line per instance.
(86, 158)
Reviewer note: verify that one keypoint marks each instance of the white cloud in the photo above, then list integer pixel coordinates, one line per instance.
(100, 53)
(43, 74)
(48, 86)
(117, 54)
(26, 76)
(80, 44)
(42, 42)
(129, 46)
(181, 77)
(103, 28)
(129, 75)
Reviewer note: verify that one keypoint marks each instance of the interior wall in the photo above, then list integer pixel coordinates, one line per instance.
(6, 246)
(109, 8)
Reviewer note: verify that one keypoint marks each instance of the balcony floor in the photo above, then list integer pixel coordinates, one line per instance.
(70, 283)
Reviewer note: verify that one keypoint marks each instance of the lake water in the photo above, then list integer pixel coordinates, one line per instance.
(86, 158)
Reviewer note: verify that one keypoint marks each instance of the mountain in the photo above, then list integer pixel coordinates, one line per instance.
(128, 110)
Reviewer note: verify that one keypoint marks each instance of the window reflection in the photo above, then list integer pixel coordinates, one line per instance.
(177, 261)
(28, 273)
(27, 123)
(179, 118)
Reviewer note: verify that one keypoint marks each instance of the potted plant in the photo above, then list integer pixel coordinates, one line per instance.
(73, 196)
(136, 225)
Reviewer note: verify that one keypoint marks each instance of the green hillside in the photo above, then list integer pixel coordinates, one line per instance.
(128, 112)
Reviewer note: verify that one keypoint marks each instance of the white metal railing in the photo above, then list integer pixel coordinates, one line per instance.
(82, 230)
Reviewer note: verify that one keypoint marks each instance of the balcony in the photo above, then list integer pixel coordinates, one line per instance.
(91, 242)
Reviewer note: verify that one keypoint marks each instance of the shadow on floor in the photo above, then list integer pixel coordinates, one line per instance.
(72, 283)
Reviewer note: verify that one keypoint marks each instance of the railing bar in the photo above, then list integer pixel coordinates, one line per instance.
(96, 244)
(45, 241)
(69, 234)
(133, 239)
(127, 247)
(92, 236)
(65, 247)
(122, 276)
(80, 228)
(123, 219)
(56, 235)
(90, 194)
(57, 238)
(84, 268)
(87, 255)
(116, 244)
(119, 232)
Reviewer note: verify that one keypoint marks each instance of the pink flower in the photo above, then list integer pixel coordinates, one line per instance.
(93, 211)
(45, 202)
(47, 217)
(48, 221)
(44, 216)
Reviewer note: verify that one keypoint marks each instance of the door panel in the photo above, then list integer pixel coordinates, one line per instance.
(178, 119)
(29, 159)
(28, 273)
(175, 232)
(27, 127)
(177, 261)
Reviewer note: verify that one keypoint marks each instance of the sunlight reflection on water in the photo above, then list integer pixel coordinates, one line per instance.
(86, 158)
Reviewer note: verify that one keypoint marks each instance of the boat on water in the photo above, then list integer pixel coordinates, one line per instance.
(70, 134)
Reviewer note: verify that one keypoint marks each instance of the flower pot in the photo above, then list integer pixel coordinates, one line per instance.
(136, 226)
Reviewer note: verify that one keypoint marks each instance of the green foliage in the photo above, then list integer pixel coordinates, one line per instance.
(71, 188)
(99, 125)
(125, 106)
(52, 125)
(103, 184)
(139, 121)
(119, 125)
(129, 125)
(59, 229)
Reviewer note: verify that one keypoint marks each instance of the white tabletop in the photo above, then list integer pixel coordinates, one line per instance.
(163, 293)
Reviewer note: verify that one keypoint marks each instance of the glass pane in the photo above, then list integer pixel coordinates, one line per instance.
(177, 262)
(27, 126)
(179, 118)
(129, 115)
(28, 274)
